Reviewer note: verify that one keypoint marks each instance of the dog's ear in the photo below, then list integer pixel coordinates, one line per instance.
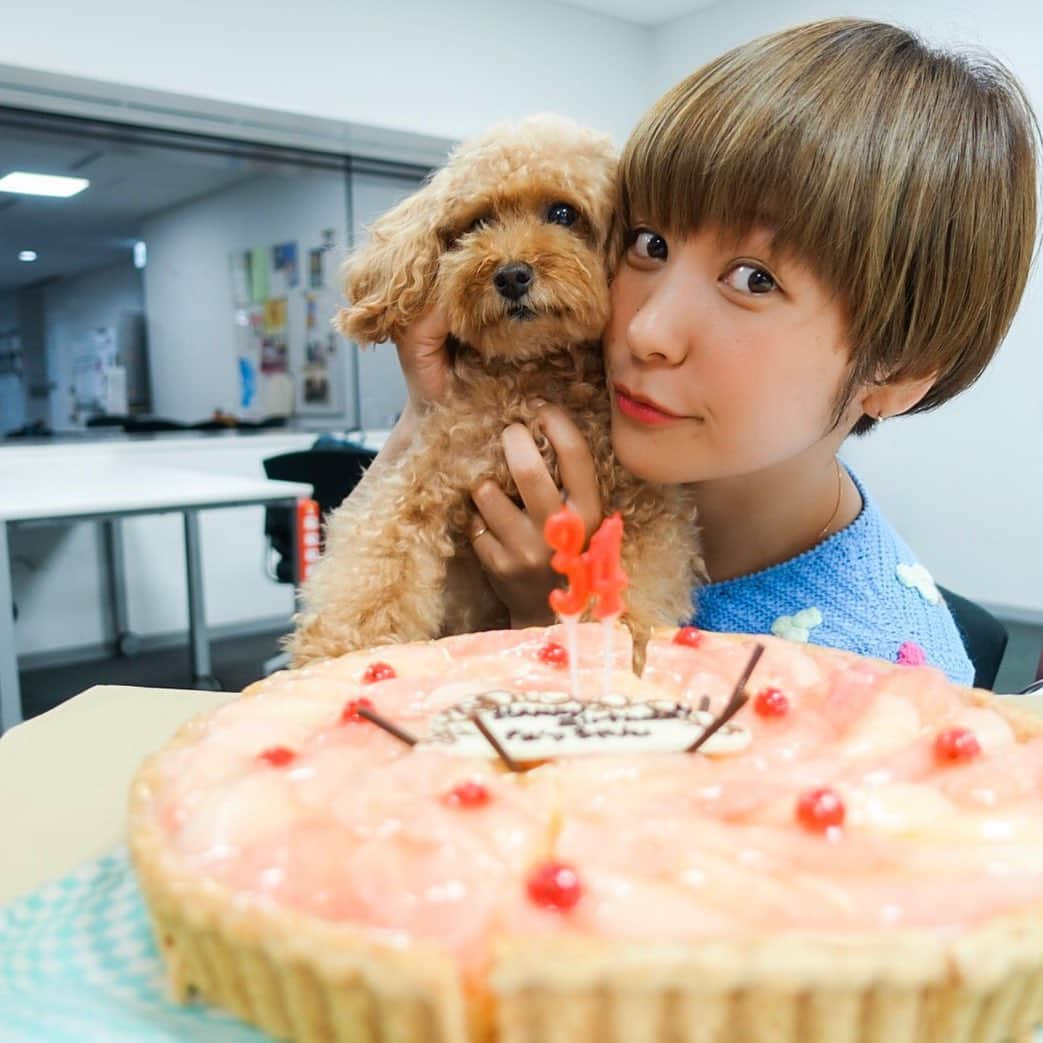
(388, 280)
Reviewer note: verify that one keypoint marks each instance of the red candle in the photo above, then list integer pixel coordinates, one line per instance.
(607, 578)
(564, 532)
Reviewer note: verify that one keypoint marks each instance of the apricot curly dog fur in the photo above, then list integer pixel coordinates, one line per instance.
(514, 237)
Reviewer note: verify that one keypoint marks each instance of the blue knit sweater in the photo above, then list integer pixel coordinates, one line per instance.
(862, 590)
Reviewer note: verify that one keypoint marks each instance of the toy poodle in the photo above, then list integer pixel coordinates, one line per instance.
(515, 238)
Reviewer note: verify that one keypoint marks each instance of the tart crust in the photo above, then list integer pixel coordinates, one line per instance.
(299, 978)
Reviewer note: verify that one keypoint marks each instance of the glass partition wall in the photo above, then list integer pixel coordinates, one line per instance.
(155, 279)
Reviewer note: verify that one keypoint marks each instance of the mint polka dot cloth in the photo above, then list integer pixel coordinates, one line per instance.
(862, 590)
(78, 965)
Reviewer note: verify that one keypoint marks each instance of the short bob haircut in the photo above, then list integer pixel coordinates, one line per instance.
(903, 176)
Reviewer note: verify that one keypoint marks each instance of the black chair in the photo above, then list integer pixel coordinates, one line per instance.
(984, 637)
(148, 425)
(332, 472)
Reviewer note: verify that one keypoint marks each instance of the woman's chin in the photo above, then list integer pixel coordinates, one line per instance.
(644, 460)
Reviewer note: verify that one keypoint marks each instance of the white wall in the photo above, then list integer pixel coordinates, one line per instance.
(964, 484)
(188, 289)
(445, 68)
(188, 285)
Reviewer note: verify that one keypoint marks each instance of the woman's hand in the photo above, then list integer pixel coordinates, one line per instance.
(508, 540)
(425, 365)
(424, 360)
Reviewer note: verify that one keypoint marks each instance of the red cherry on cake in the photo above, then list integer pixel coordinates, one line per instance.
(553, 654)
(378, 672)
(690, 637)
(350, 713)
(554, 885)
(469, 794)
(770, 702)
(956, 745)
(820, 809)
(277, 756)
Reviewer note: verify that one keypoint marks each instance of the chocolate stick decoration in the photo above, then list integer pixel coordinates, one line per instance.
(735, 703)
(389, 726)
(495, 743)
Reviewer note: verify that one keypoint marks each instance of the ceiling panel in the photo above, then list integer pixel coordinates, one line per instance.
(130, 182)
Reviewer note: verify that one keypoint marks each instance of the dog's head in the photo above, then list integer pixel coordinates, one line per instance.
(513, 237)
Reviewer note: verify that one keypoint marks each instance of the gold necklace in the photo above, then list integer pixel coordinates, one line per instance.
(836, 507)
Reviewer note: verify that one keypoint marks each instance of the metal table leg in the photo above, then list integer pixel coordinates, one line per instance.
(10, 693)
(127, 644)
(202, 670)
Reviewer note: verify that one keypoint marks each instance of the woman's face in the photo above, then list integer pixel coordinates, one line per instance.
(723, 359)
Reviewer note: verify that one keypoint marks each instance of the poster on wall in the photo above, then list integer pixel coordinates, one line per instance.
(289, 357)
(317, 388)
(320, 387)
(284, 268)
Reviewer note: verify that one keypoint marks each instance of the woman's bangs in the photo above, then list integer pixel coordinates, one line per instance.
(687, 168)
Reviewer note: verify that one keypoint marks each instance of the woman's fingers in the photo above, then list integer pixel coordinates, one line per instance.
(510, 527)
(485, 543)
(535, 484)
(423, 357)
(575, 462)
(515, 556)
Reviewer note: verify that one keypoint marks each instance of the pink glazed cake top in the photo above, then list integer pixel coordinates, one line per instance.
(848, 794)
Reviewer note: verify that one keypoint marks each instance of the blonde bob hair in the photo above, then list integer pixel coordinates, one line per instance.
(902, 175)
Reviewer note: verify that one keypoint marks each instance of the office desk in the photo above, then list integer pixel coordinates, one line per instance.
(107, 490)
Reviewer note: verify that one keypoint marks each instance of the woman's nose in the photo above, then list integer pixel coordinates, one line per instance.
(661, 326)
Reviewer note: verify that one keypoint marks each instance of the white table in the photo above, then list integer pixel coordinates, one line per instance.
(65, 776)
(66, 489)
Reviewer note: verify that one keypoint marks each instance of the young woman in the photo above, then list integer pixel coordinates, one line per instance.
(827, 227)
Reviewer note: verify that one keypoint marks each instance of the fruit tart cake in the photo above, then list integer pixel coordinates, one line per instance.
(512, 837)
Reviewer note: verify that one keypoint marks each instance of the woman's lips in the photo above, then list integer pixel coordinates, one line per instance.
(641, 409)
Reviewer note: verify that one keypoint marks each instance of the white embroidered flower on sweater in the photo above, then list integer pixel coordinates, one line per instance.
(918, 578)
(797, 627)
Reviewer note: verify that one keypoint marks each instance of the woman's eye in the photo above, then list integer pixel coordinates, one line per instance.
(562, 214)
(648, 245)
(748, 278)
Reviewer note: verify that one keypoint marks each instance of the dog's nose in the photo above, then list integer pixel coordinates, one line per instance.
(513, 280)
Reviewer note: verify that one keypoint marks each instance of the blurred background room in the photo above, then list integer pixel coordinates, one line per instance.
(165, 304)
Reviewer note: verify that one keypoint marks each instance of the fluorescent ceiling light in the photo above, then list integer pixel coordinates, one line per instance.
(27, 255)
(42, 184)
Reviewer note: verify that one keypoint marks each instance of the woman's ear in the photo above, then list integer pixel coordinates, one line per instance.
(895, 397)
(388, 280)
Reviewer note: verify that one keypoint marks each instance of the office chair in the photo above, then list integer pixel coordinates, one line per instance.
(984, 637)
(331, 472)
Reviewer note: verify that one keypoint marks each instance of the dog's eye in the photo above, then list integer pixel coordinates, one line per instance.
(562, 214)
(481, 221)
